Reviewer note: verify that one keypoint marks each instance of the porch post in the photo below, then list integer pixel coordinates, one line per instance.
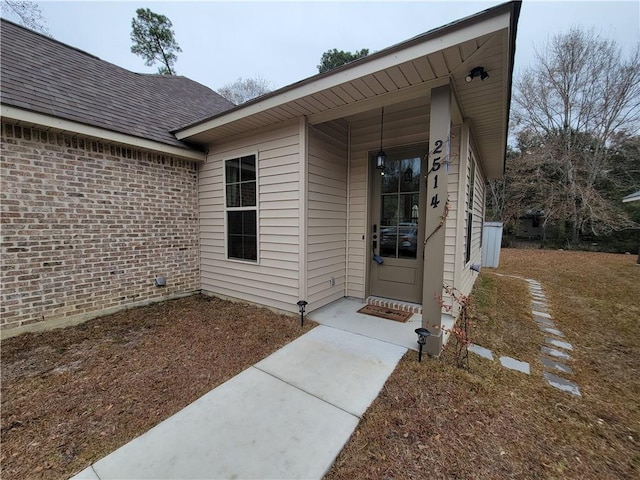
(434, 243)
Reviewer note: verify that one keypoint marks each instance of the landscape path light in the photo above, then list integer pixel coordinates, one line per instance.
(301, 305)
(423, 333)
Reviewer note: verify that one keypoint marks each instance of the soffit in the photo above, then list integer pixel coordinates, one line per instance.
(400, 74)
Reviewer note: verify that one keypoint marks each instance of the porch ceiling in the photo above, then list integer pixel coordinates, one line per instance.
(399, 74)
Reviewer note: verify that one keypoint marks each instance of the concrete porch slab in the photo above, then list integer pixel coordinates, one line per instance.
(343, 315)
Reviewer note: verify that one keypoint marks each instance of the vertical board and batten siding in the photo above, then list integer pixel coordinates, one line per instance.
(326, 213)
(402, 128)
(274, 280)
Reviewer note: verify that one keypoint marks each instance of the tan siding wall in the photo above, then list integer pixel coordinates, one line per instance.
(274, 280)
(327, 213)
(468, 276)
(451, 234)
(87, 227)
(402, 128)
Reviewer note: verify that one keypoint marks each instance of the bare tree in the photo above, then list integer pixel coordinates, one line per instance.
(243, 90)
(569, 105)
(28, 13)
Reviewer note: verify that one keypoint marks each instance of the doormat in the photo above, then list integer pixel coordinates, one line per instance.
(385, 312)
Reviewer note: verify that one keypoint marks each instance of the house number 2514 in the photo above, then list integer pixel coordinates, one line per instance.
(437, 152)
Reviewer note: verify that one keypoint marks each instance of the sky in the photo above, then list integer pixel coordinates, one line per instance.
(283, 42)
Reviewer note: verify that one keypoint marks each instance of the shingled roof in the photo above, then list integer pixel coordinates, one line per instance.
(43, 75)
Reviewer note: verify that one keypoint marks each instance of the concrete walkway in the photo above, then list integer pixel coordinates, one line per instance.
(288, 416)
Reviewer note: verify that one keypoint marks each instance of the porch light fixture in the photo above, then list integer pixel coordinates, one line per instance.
(423, 333)
(381, 158)
(477, 72)
(301, 304)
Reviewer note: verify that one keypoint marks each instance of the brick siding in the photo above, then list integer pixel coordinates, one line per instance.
(87, 227)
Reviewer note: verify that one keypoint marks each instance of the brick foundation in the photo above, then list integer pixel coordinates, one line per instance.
(395, 304)
(87, 226)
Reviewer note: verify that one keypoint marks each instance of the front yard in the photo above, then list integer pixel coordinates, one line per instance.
(71, 396)
(435, 421)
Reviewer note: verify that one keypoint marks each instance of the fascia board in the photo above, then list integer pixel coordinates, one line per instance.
(62, 125)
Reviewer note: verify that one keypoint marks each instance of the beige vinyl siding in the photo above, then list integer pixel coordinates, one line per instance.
(327, 213)
(274, 280)
(402, 128)
(467, 276)
(452, 236)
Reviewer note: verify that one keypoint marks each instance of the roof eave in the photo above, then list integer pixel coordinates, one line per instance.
(361, 67)
(31, 118)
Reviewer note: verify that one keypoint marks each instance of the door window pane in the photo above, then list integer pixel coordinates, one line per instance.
(391, 176)
(400, 206)
(389, 214)
(410, 175)
(407, 240)
(408, 212)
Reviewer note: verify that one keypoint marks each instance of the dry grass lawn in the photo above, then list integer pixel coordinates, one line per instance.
(71, 396)
(435, 421)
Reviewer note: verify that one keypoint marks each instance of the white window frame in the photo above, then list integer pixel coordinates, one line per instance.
(470, 211)
(227, 209)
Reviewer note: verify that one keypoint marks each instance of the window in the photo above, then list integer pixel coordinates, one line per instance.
(242, 218)
(399, 201)
(472, 182)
